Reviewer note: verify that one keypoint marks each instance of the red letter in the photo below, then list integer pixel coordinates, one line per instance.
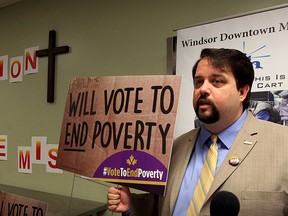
(24, 159)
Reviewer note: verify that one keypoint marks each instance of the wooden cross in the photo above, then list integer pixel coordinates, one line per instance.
(51, 52)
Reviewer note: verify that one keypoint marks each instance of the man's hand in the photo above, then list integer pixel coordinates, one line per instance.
(118, 200)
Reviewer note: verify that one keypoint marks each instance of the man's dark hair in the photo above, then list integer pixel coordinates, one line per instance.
(239, 64)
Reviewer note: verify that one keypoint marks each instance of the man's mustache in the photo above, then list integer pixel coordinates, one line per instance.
(204, 100)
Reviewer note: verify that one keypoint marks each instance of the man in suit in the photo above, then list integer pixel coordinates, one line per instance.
(252, 159)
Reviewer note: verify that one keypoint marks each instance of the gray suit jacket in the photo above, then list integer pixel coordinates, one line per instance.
(260, 180)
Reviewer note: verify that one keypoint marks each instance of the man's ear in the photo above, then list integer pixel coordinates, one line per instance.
(243, 91)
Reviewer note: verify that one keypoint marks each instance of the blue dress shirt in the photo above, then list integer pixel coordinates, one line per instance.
(194, 167)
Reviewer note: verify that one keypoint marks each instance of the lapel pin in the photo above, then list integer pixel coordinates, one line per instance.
(248, 142)
(234, 161)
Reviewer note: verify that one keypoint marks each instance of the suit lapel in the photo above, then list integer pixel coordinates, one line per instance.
(244, 143)
(242, 146)
(180, 161)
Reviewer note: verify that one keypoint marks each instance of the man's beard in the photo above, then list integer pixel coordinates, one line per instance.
(214, 117)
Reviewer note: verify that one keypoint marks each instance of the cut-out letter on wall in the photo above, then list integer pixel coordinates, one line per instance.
(4, 67)
(52, 150)
(3, 147)
(16, 69)
(24, 160)
(38, 149)
(31, 60)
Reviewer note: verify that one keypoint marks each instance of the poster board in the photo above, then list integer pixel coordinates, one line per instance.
(120, 129)
(261, 35)
(11, 204)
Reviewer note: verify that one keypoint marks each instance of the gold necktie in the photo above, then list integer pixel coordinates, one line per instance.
(206, 179)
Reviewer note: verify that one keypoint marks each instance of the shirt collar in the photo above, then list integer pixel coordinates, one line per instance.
(227, 136)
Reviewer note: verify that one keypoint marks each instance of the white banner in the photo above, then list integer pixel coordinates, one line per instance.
(262, 36)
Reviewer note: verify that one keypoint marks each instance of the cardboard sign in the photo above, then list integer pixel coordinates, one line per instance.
(120, 129)
(11, 204)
